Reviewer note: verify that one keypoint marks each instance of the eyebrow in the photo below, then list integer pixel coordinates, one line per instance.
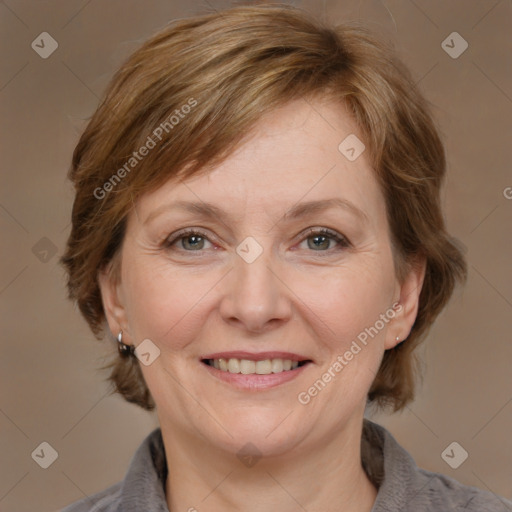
(199, 208)
(310, 207)
(299, 210)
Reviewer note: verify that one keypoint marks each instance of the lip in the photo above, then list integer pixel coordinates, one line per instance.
(255, 382)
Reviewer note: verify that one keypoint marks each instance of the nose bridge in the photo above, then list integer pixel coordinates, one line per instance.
(256, 278)
(255, 295)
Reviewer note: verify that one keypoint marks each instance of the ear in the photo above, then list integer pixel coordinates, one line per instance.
(407, 308)
(109, 281)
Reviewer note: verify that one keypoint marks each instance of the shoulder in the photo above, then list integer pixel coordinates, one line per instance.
(107, 500)
(403, 486)
(443, 491)
(143, 487)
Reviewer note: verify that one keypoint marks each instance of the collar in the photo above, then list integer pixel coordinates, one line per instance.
(401, 484)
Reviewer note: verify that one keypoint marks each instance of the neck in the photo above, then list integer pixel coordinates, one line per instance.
(330, 478)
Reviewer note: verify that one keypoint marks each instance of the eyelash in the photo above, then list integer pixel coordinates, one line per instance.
(340, 239)
(333, 235)
(171, 240)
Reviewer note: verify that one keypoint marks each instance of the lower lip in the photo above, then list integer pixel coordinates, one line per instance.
(255, 382)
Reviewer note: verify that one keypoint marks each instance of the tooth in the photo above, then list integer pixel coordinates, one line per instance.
(234, 365)
(264, 367)
(277, 365)
(247, 366)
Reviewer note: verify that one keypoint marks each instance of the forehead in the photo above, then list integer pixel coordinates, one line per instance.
(293, 154)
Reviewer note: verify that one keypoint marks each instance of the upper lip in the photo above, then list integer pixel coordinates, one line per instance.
(256, 356)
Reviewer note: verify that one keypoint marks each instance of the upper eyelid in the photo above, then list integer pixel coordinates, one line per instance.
(181, 233)
(340, 238)
(323, 231)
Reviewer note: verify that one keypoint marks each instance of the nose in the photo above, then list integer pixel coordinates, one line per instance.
(255, 297)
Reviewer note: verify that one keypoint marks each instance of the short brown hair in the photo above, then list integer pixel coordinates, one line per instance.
(230, 68)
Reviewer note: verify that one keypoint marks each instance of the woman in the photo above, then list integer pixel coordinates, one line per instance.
(257, 223)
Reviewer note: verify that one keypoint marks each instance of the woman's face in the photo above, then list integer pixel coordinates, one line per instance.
(281, 253)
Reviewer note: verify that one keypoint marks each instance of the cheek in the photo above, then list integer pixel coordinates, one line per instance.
(165, 305)
(342, 303)
(346, 312)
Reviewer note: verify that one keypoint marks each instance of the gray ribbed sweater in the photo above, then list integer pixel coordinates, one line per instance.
(402, 486)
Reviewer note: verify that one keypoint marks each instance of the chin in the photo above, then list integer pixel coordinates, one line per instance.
(268, 431)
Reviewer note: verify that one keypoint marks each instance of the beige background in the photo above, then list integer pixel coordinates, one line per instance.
(50, 388)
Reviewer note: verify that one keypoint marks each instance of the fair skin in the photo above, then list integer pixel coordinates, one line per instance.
(306, 295)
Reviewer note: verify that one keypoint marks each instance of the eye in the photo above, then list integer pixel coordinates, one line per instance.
(323, 240)
(188, 240)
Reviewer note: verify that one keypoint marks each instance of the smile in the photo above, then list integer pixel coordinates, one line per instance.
(250, 371)
(258, 367)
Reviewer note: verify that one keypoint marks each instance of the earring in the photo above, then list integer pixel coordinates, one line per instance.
(124, 350)
(397, 338)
